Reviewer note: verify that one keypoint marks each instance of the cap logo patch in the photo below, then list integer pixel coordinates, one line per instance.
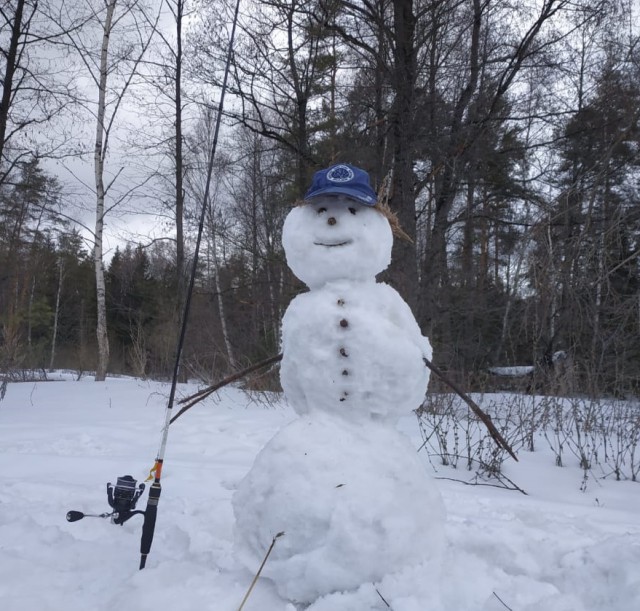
(340, 173)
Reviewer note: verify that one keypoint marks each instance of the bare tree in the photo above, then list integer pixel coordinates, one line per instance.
(100, 152)
(15, 23)
(33, 95)
(200, 147)
(163, 72)
(259, 206)
(102, 65)
(282, 66)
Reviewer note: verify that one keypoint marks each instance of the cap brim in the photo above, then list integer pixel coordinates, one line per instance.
(361, 198)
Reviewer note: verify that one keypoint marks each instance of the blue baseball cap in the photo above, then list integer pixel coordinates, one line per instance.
(343, 179)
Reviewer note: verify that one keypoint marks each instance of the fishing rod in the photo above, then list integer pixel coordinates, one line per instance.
(155, 489)
(124, 496)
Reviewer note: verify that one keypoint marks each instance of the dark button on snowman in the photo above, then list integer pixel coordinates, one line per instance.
(348, 490)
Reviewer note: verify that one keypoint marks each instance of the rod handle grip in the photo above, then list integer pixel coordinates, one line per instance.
(149, 525)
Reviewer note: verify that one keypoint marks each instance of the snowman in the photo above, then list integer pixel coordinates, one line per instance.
(347, 489)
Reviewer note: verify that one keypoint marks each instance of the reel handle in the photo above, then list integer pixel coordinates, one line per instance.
(74, 516)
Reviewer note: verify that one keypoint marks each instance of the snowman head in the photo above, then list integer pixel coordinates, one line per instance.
(337, 233)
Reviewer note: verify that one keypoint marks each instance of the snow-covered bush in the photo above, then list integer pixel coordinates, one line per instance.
(601, 435)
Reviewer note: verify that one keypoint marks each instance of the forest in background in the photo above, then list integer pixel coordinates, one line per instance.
(504, 134)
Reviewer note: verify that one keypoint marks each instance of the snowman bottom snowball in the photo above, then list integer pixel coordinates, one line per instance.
(353, 500)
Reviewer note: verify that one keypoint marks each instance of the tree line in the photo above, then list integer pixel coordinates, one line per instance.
(503, 134)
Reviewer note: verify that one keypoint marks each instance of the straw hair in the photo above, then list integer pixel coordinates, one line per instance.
(392, 217)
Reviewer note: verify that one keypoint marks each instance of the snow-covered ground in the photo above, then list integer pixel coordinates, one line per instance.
(556, 549)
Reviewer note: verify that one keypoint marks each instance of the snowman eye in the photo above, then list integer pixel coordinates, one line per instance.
(352, 210)
(321, 210)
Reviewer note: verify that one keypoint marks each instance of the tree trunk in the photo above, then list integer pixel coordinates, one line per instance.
(223, 319)
(7, 81)
(301, 89)
(99, 157)
(82, 340)
(180, 264)
(56, 314)
(436, 274)
(403, 272)
(30, 312)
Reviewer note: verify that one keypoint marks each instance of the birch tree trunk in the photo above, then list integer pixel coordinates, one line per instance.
(223, 319)
(56, 314)
(99, 156)
(30, 312)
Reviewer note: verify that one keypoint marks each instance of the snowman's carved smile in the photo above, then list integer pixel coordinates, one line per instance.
(333, 244)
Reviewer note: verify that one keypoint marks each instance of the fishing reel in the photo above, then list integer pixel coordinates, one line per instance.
(122, 498)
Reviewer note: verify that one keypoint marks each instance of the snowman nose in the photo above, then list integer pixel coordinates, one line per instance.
(331, 220)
